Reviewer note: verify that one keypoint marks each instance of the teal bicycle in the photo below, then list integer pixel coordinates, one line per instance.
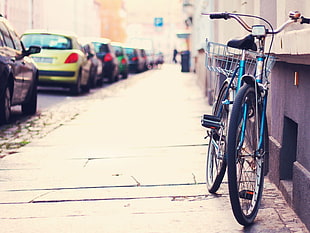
(237, 128)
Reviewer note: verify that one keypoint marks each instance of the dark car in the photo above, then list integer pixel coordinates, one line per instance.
(158, 59)
(95, 71)
(145, 59)
(122, 59)
(150, 58)
(105, 53)
(135, 60)
(19, 75)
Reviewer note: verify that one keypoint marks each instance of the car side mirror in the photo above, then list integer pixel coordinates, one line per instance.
(90, 55)
(32, 50)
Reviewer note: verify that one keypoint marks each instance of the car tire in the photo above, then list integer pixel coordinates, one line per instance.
(100, 82)
(76, 88)
(30, 107)
(93, 76)
(86, 88)
(5, 106)
(111, 78)
(125, 74)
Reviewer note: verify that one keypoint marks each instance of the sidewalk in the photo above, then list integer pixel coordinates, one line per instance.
(132, 161)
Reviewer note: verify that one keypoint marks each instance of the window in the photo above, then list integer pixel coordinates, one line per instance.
(1, 39)
(47, 41)
(6, 36)
(16, 40)
(118, 50)
(101, 48)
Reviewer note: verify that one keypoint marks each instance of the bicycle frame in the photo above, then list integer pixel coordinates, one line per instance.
(258, 80)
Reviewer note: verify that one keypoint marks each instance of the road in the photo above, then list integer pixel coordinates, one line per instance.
(126, 158)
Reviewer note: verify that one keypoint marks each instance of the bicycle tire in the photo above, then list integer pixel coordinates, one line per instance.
(245, 164)
(216, 164)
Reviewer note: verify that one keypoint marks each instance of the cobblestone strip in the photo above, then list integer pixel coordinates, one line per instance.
(274, 198)
(21, 133)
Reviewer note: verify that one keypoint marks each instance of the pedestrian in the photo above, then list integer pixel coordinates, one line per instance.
(175, 53)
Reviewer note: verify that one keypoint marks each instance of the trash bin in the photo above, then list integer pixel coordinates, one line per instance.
(185, 61)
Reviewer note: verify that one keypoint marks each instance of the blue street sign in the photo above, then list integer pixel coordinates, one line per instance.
(158, 21)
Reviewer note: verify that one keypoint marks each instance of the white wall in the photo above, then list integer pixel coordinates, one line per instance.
(294, 40)
(79, 16)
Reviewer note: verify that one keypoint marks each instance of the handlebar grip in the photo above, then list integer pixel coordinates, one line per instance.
(305, 20)
(219, 16)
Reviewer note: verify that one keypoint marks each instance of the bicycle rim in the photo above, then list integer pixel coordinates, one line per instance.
(245, 163)
(216, 161)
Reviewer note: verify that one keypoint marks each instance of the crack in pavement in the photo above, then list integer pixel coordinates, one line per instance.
(172, 197)
(105, 187)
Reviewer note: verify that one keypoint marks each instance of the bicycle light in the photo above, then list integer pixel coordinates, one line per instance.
(258, 30)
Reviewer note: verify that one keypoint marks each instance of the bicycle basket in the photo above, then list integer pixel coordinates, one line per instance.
(223, 59)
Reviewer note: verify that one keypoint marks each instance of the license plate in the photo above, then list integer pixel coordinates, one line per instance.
(43, 59)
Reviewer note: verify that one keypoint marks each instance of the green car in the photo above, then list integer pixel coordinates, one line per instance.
(122, 59)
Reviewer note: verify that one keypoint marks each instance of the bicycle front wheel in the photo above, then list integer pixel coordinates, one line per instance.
(245, 159)
(216, 161)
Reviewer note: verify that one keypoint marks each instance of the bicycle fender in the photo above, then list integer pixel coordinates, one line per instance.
(249, 79)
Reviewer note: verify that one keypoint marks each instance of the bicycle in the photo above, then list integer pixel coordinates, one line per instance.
(237, 128)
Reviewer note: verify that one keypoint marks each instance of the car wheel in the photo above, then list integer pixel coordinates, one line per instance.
(5, 106)
(86, 88)
(125, 74)
(100, 82)
(111, 79)
(30, 107)
(93, 76)
(76, 88)
(116, 78)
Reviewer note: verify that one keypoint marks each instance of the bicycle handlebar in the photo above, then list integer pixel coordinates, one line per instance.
(304, 20)
(294, 16)
(219, 15)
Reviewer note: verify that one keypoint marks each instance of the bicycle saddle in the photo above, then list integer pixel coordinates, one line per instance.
(246, 43)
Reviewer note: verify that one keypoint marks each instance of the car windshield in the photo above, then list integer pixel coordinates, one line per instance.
(47, 41)
(130, 52)
(100, 47)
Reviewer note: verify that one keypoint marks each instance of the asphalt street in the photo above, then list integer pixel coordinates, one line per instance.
(132, 160)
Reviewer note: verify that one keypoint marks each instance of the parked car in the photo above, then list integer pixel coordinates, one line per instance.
(105, 53)
(144, 59)
(150, 58)
(62, 61)
(135, 60)
(95, 72)
(19, 74)
(159, 58)
(122, 59)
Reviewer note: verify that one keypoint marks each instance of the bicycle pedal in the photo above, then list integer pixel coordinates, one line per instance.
(211, 121)
(246, 194)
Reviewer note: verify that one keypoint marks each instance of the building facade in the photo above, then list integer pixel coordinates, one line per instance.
(79, 16)
(141, 28)
(113, 20)
(288, 108)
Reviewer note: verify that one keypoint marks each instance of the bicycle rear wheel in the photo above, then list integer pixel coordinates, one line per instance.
(216, 161)
(245, 161)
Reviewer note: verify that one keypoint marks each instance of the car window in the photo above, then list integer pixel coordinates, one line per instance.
(1, 39)
(16, 40)
(130, 52)
(47, 41)
(118, 50)
(6, 36)
(100, 47)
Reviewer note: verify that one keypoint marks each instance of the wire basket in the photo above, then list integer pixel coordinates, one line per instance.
(223, 59)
